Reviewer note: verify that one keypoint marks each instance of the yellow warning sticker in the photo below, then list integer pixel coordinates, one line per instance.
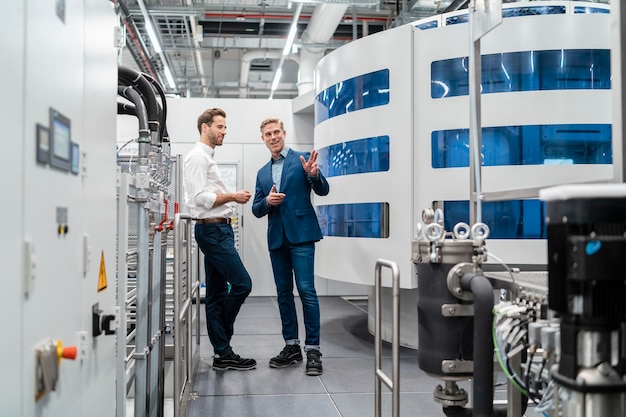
(102, 276)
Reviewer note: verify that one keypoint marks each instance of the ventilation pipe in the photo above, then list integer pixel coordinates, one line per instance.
(246, 60)
(319, 31)
(197, 34)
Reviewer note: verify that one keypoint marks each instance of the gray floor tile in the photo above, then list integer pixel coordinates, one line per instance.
(349, 337)
(346, 388)
(302, 405)
(256, 325)
(259, 347)
(256, 307)
(337, 307)
(263, 380)
(362, 405)
(356, 375)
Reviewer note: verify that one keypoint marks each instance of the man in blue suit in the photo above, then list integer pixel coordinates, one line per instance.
(283, 193)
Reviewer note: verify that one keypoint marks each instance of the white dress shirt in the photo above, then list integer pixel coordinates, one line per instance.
(203, 183)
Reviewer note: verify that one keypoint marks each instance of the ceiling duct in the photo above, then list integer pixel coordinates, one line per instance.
(319, 31)
(246, 60)
(264, 65)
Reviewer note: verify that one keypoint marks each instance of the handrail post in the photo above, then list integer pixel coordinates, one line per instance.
(394, 382)
(181, 235)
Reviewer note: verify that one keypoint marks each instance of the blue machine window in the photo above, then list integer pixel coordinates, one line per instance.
(512, 12)
(513, 219)
(355, 157)
(532, 11)
(358, 93)
(455, 20)
(526, 145)
(525, 71)
(590, 10)
(369, 220)
(427, 25)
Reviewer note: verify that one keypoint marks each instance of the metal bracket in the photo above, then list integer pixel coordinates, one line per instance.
(457, 367)
(457, 310)
(454, 280)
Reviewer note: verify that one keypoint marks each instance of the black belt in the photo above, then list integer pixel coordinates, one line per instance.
(213, 220)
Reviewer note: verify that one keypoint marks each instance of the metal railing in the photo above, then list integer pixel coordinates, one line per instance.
(186, 287)
(392, 383)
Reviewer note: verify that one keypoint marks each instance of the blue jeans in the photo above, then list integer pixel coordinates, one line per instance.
(222, 266)
(298, 260)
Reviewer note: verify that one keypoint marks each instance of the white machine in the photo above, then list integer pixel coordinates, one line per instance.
(540, 96)
(60, 209)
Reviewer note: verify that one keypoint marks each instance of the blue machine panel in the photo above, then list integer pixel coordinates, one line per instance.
(355, 157)
(427, 25)
(572, 69)
(526, 145)
(370, 220)
(512, 12)
(513, 219)
(357, 93)
(590, 10)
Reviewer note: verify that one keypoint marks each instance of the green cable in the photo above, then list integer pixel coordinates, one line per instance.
(500, 361)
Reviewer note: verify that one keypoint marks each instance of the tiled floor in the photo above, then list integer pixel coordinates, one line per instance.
(345, 389)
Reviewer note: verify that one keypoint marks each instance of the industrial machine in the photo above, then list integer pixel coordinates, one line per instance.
(155, 257)
(561, 346)
(559, 341)
(587, 285)
(455, 303)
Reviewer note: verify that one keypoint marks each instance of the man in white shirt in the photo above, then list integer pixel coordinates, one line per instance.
(212, 206)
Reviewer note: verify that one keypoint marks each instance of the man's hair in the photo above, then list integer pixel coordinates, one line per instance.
(272, 120)
(208, 115)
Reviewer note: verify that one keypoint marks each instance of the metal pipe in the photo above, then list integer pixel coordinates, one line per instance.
(190, 289)
(394, 382)
(133, 33)
(122, 284)
(179, 237)
(126, 108)
(141, 341)
(128, 76)
(162, 108)
(482, 386)
(140, 109)
(319, 31)
(475, 131)
(177, 332)
(183, 310)
(198, 312)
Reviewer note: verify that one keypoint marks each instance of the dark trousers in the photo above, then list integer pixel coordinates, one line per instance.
(289, 263)
(222, 266)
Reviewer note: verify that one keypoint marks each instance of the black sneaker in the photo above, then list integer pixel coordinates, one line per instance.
(290, 355)
(234, 362)
(313, 362)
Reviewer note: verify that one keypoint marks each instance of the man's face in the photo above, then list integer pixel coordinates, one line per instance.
(215, 132)
(274, 137)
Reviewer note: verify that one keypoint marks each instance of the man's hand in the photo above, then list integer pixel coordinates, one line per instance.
(310, 166)
(274, 198)
(242, 196)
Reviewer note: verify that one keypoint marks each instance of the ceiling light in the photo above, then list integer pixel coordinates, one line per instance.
(169, 77)
(292, 30)
(287, 49)
(154, 40)
(279, 73)
(156, 44)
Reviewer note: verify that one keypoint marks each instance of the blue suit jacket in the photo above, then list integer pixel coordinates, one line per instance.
(295, 216)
